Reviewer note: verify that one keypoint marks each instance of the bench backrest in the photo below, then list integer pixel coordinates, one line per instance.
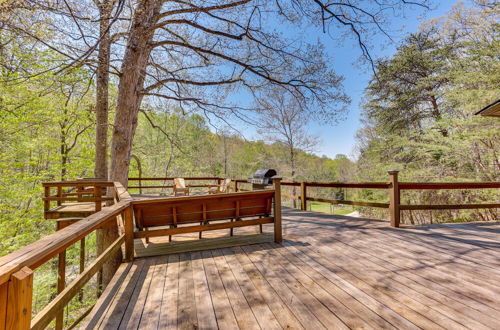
(196, 209)
(179, 183)
(225, 185)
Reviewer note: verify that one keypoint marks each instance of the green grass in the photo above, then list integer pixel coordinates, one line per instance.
(325, 208)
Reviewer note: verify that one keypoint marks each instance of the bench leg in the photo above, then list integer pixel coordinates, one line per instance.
(231, 230)
(199, 235)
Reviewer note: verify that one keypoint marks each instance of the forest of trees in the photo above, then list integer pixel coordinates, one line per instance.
(419, 111)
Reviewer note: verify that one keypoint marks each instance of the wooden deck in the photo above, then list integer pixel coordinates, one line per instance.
(331, 272)
(81, 210)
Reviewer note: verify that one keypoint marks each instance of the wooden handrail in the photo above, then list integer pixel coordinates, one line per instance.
(39, 252)
(83, 183)
(78, 199)
(171, 186)
(450, 206)
(172, 178)
(15, 268)
(394, 187)
(366, 185)
(448, 185)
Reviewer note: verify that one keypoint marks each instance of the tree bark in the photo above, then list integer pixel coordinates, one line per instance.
(132, 77)
(102, 90)
(104, 237)
(130, 87)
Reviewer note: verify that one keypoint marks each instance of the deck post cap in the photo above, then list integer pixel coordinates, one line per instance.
(392, 171)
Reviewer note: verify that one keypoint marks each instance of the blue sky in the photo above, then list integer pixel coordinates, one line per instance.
(340, 138)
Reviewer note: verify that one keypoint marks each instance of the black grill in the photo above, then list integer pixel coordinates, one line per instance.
(262, 178)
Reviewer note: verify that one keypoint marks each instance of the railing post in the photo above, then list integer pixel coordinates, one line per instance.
(235, 186)
(79, 192)
(278, 235)
(59, 195)
(129, 234)
(4, 289)
(303, 196)
(19, 299)
(97, 195)
(46, 203)
(394, 198)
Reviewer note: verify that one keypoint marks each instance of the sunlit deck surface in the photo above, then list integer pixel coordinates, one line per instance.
(331, 272)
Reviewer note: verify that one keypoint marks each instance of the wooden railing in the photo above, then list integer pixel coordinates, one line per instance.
(397, 207)
(394, 187)
(16, 269)
(304, 185)
(78, 191)
(168, 183)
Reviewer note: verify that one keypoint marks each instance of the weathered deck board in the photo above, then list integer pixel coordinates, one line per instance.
(331, 272)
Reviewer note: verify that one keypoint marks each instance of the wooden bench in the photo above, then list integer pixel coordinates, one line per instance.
(197, 213)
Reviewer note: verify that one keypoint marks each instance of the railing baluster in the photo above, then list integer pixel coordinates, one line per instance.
(82, 263)
(59, 194)
(204, 218)
(97, 196)
(61, 284)
(46, 203)
(278, 236)
(395, 199)
(303, 196)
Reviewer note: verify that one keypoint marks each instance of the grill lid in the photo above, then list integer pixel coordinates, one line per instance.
(264, 173)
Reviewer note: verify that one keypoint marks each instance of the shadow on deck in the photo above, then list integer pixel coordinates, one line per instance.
(330, 272)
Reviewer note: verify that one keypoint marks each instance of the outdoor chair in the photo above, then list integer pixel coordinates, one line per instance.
(180, 188)
(221, 188)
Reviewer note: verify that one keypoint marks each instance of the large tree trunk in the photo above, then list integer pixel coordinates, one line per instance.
(104, 237)
(102, 90)
(131, 84)
(129, 100)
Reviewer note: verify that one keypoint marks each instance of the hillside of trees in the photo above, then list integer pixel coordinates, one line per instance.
(419, 112)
